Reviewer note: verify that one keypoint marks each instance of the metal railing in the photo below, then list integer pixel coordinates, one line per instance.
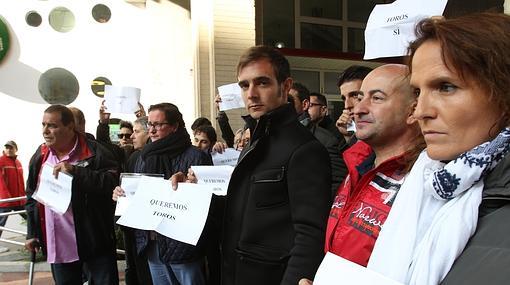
(119, 251)
(9, 214)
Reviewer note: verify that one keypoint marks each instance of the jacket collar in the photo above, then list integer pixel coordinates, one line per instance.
(84, 151)
(274, 119)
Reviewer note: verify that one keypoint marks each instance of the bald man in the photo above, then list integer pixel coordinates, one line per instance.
(389, 141)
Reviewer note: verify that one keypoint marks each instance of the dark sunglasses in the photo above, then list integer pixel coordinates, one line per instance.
(126, 136)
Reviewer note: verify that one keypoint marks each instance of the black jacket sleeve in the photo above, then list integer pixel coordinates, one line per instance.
(309, 197)
(226, 131)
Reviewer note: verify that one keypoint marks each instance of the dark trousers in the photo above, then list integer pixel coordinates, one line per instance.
(137, 268)
(100, 270)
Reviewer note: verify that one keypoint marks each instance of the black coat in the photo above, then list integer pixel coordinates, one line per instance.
(277, 204)
(94, 178)
(486, 258)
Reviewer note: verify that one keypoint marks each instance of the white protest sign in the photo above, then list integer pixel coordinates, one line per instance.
(231, 97)
(129, 183)
(333, 266)
(228, 157)
(179, 214)
(390, 27)
(121, 99)
(54, 193)
(216, 178)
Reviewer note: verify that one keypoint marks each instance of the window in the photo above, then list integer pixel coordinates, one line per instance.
(61, 19)
(58, 86)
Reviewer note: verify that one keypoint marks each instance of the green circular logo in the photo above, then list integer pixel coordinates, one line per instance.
(4, 39)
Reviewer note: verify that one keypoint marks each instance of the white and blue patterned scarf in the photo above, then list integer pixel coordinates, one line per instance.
(434, 214)
(469, 168)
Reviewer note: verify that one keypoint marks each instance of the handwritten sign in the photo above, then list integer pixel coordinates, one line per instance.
(390, 27)
(121, 99)
(179, 214)
(54, 193)
(228, 157)
(216, 178)
(333, 266)
(231, 97)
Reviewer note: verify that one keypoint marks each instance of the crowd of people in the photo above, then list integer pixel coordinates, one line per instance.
(410, 181)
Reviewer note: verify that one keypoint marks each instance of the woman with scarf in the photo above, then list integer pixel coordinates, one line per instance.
(450, 221)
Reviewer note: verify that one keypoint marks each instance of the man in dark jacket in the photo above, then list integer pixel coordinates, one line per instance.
(82, 238)
(278, 196)
(170, 151)
(335, 146)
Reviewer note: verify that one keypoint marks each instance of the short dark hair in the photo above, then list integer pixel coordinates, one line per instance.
(126, 124)
(302, 91)
(66, 116)
(201, 121)
(172, 114)
(209, 131)
(353, 72)
(321, 98)
(278, 61)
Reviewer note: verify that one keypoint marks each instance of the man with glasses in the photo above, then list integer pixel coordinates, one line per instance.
(171, 151)
(304, 105)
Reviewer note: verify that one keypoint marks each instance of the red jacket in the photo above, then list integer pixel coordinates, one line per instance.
(11, 181)
(362, 204)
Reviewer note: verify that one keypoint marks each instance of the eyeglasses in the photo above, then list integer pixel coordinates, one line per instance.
(315, 104)
(125, 136)
(157, 126)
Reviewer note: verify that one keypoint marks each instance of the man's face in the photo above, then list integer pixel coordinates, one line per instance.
(382, 109)
(300, 106)
(349, 92)
(55, 134)
(139, 136)
(261, 91)
(159, 126)
(317, 111)
(9, 151)
(125, 136)
(201, 141)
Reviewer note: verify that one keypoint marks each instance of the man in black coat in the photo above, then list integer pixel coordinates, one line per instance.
(279, 193)
(300, 97)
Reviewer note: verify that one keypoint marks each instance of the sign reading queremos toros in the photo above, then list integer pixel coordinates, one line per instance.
(4, 39)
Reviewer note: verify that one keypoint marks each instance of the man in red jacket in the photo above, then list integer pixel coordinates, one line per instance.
(11, 182)
(390, 140)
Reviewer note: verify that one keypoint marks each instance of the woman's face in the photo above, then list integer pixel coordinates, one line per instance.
(454, 115)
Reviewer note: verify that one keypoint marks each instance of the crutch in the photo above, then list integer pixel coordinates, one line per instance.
(32, 264)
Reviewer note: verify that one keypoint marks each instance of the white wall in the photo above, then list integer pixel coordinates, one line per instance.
(146, 47)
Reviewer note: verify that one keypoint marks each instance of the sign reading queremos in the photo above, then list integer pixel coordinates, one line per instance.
(179, 214)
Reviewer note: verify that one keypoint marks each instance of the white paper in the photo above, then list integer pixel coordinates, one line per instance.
(216, 178)
(390, 27)
(334, 268)
(231, 97)
(54, 193)
(180, 214)
(121, 99)
(228, 157)
(129, 183)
